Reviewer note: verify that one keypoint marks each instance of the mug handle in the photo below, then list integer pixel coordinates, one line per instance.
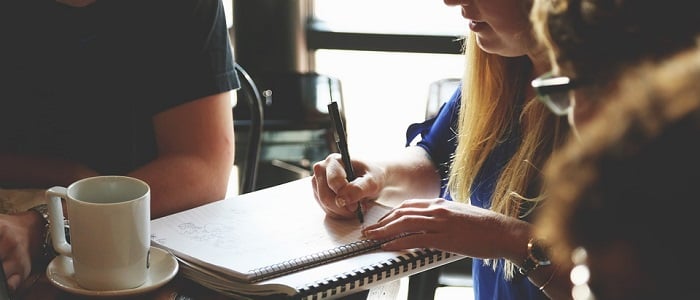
(58, 234)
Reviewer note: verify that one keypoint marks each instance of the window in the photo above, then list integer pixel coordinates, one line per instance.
(431, 17)
(385, 88)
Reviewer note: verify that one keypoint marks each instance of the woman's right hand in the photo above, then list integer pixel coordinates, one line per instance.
(338, 197)
(406, 174)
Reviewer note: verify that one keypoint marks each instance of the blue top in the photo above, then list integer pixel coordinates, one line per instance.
(84, 83)
(438, 138)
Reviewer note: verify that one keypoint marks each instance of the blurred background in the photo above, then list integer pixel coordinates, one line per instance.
(377, 57)
(388, 63)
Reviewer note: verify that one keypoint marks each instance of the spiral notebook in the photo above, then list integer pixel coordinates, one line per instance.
(278, 242)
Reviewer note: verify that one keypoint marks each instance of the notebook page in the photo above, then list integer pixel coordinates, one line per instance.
(243, 233)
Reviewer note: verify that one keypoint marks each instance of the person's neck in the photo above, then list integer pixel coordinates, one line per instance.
(76, 3)
(540, 66)
(539, 55)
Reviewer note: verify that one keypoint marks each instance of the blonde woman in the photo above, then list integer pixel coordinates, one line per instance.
(492, 165)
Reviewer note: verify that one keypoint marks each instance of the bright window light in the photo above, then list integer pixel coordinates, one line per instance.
(392, 16)
(384, 92)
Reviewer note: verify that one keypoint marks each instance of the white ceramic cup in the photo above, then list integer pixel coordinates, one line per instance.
(110, 230)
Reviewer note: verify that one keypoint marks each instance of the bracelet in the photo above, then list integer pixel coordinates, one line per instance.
(537, 255)
(551, 276)
(47, 251)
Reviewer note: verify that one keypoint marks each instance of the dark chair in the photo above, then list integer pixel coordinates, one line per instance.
(249, 162)
(297, 128)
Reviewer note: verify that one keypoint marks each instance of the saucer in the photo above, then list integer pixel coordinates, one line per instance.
(163, 268)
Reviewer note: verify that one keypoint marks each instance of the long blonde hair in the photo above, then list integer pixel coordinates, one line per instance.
(493, 108)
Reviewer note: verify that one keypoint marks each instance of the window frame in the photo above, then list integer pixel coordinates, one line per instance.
(319, 37)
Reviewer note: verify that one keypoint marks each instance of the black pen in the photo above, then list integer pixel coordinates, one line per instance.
(342, 142)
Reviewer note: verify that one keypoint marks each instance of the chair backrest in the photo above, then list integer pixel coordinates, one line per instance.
(249, 162)
(296, 124)
(440, 92)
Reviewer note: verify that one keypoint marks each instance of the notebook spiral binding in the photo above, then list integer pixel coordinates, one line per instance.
(315, 259)
(366, 275)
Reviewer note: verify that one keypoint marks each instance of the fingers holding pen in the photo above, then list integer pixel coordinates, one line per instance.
(319, 194)
(336, 175)
(329, 179)
(325, 196)
(350, 195)
(335, 193)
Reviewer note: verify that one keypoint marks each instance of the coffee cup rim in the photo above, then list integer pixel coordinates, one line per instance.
(70, 190)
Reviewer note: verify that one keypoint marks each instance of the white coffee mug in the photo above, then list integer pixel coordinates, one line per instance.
(110, 230)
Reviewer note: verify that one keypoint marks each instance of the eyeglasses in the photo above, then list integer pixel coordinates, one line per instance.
(554, 91)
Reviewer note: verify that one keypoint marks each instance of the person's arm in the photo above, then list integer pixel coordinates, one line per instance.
(31, 171)
(409, 174)
(195, 144)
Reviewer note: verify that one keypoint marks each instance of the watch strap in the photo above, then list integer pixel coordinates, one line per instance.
(47, 251)
(536, 256)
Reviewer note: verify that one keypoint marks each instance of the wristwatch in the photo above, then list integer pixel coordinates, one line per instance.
(536, 256)
(47, 251)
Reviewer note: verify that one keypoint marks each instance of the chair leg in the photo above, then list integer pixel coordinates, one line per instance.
(422, 286)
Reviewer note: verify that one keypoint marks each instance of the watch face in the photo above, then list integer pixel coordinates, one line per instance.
(539, 252)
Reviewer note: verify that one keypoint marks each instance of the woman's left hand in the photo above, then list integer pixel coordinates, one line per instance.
(449, 226)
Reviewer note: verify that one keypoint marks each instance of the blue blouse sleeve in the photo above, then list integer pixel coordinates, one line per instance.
(439, 135)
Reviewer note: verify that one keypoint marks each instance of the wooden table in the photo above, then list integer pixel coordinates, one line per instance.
(38, 286)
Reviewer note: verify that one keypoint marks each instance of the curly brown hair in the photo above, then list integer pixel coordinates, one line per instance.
(597, 39)
(626, 181)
